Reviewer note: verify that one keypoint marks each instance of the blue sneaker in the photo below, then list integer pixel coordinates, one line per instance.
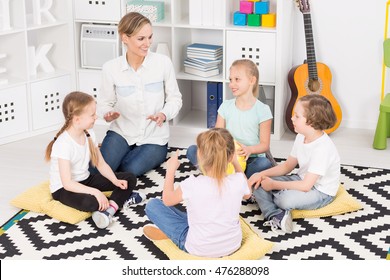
(282, 221)
(134, 198)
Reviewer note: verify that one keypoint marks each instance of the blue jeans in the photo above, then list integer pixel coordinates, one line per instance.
(170, 220)
(253, 164)
(274, 202)
(135, 159)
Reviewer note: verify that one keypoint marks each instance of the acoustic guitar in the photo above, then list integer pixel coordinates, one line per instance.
(311, 77)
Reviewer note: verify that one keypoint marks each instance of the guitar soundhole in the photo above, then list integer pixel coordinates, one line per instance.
(313, 86)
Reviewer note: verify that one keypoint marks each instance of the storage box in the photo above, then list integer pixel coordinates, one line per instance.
(254, 20)
(246, 7)
(46, 101)
(261, 8)
(260, 47)
(100, 10)
(13, 111)
(268, 20)
(239, 18)
(153, 10)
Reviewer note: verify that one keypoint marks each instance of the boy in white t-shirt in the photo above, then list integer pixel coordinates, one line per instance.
(317, 180)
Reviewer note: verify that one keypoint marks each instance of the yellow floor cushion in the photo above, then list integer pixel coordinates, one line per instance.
(343, 203)
(253, 247)
(39, 199)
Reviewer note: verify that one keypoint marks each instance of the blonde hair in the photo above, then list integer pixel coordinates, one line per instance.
(74, 105)
(215, 150)
(318, 111)
(131, 23)
(251, 70)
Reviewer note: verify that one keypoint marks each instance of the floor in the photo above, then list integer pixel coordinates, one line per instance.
(22, 162)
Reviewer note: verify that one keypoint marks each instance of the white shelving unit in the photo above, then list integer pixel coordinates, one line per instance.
(31, 97)
(103, 13)
(37, 66)
(272, 46)
(269, 47)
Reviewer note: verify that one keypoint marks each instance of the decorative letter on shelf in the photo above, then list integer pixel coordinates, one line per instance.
(39, 58)
(39, 11)
(5, 22)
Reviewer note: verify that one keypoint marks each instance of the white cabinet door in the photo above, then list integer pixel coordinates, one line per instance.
(256, 46)
(13, 111)
(46, 100)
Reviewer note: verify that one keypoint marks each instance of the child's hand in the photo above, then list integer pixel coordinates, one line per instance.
(173, 162)
(102, 200)
(255, 180)
(267, 183)
(243, 151)
(122, 184)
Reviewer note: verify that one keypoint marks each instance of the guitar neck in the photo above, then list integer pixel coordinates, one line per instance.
(310, 52)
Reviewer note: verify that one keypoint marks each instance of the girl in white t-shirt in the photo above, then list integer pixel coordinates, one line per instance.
(70, 153)
(318, 177)
(211, 226)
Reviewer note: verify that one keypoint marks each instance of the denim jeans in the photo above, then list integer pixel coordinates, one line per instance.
(170, 220)
(253, 164)
(274, 202)
(135, 159)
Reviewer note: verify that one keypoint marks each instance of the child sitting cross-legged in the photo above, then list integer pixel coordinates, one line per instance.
(318, 177)
(70, 153)
(211, 226)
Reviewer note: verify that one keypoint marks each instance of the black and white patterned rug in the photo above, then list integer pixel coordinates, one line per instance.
(361, 235)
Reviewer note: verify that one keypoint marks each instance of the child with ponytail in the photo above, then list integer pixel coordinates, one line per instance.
(211, 226)
(71, 151)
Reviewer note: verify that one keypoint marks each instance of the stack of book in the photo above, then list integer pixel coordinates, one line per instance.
(203, 60)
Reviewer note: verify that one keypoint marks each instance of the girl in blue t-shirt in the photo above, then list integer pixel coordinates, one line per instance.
(247, 119)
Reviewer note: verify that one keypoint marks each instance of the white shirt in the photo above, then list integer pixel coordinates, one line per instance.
(319, 157)
(137, 94)
(213, 214)
(78, 155)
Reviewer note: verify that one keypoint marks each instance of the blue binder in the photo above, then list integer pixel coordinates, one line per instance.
(219, 95)
(212, 103)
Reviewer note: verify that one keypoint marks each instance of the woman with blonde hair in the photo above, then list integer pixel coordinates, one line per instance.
(138, 95)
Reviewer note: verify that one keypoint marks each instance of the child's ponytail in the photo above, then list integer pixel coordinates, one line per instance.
(215, 148)
(50, 145)
(92, 150)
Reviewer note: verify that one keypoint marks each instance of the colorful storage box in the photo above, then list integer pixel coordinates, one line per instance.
(268, 20)
(254, 20)
(239, 18)
(246, 7)
(261, 8)
(153, 10)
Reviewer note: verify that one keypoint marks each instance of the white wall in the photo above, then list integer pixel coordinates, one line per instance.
(348, 37)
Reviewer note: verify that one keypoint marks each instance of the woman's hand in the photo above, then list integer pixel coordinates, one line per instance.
(110, 116)
(122, 184)
(159, 118)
